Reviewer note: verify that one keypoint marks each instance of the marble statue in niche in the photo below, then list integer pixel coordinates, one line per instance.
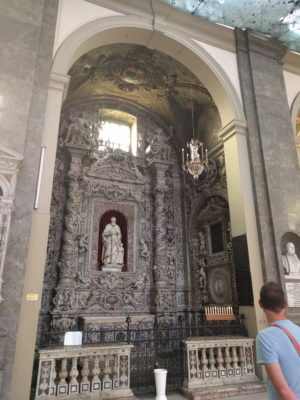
(113, 249)
(290, 261)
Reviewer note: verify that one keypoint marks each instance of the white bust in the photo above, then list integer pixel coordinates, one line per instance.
(290, 260)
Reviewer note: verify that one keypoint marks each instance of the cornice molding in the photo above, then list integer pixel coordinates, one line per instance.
(167, 16)
(234, 127)
(251, 41)
(10, 162)
(291, 62)
(59, 82)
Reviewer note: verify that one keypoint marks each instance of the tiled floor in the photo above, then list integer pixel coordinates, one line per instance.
(179, 396)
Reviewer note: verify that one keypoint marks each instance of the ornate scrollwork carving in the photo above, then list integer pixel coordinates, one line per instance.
(164, 300)
(120, 179)
(63, 323)
(64, 299)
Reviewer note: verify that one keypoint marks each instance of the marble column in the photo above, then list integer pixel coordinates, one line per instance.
(27, 37)
(244, 230)
(273, 156)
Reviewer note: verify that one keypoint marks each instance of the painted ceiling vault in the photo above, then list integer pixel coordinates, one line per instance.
(277, 18)
(151, 80)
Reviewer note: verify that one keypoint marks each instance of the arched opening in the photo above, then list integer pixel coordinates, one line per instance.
(171, 42)
(147, 190)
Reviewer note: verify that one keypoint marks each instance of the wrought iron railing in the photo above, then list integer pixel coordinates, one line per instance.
(159, 345)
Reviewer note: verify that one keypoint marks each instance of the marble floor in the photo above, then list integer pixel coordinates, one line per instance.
(179, 396)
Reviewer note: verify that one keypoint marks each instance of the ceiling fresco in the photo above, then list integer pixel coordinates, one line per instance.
(149, 79)
(277, 18)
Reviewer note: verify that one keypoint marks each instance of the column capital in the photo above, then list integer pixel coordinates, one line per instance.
(248, 40)
(77, 150)
(234, 127)
(59, 82)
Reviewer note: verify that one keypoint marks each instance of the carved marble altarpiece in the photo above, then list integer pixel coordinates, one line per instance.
(210, 245)
(152, 280)
(148, 191)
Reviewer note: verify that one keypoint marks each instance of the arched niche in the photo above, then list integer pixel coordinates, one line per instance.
(290, 263)
(290, 237)
(212, 277)
(127, 29)
(122, 222)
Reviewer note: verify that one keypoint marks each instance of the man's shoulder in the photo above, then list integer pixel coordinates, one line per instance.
(265, 332)
(272, 331)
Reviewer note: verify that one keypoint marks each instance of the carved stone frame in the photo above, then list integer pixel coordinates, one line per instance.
(9, 166)
(103, 206)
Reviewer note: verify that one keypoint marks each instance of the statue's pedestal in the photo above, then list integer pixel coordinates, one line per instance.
(112, 268)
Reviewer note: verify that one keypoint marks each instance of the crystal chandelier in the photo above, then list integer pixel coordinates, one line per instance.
(195, 161)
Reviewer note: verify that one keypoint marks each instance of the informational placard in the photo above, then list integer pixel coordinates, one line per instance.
(293, 293)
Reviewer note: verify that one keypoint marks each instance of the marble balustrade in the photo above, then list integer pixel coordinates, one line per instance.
(218, 361)
(80, 371)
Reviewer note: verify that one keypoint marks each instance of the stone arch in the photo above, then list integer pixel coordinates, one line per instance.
(127, 29)
(201, 203)
(295, 111)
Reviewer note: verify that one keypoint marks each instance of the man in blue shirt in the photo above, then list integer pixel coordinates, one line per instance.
(274, 348)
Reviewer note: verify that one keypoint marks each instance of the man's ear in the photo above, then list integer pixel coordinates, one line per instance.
(259, 302)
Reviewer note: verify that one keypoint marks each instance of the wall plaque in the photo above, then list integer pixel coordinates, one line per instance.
(293, 293)
(32, 296)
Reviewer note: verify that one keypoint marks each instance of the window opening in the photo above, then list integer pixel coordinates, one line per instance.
(216, 233)
(118, 130)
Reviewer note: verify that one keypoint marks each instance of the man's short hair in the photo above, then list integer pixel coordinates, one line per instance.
(272, 297)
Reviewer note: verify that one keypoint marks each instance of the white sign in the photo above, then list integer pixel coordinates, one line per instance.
(73, 339)
(293, 293)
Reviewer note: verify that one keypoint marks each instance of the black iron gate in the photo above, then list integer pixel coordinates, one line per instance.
(157, 346)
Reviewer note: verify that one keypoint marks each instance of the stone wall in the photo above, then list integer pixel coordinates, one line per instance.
(26, 42)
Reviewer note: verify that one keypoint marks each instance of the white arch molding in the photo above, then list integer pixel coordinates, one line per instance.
(295, 109)
(130, 29)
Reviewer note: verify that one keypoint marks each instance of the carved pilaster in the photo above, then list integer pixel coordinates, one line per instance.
(164, 272)
(160, 189)
(65, 292)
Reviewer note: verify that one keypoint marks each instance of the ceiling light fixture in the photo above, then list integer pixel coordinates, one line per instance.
(195, 161)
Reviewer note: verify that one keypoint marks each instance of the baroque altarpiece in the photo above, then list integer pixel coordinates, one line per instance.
(177, 243)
